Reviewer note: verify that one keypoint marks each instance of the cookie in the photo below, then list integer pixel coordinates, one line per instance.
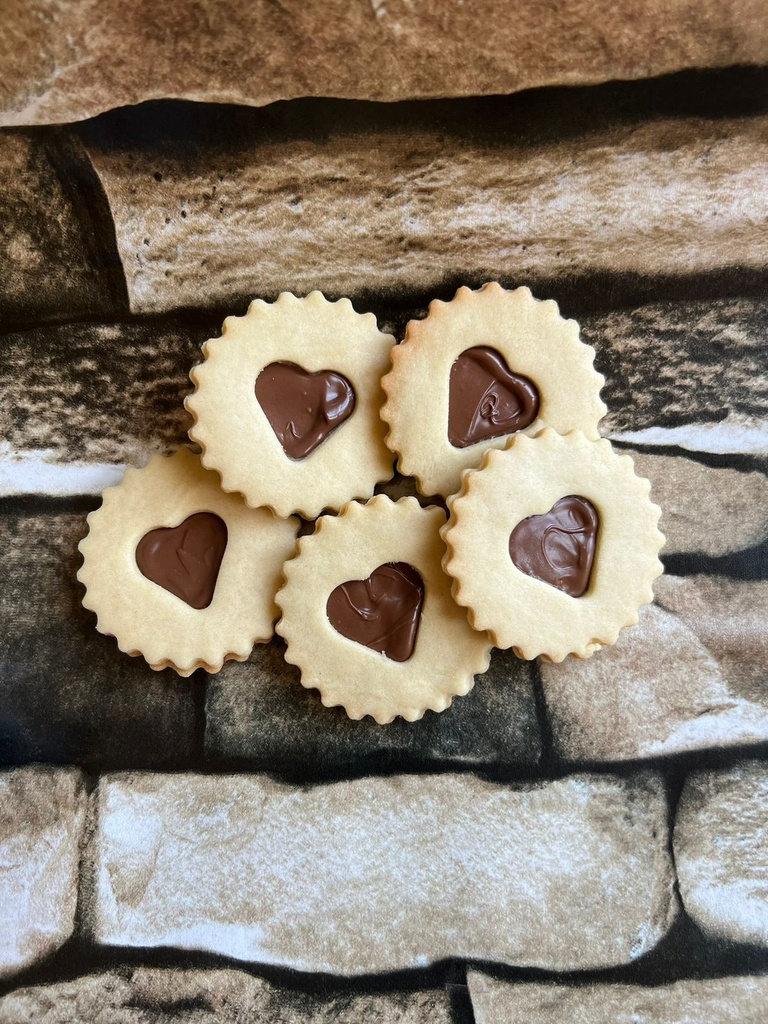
(487, 365)
(368, 617)
(553, 545)
(286, 404)
(180, 572)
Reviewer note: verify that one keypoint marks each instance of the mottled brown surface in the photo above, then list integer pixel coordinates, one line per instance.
(61, 65)
(661, 689)
(259, 714)
(50, 267)
(99, 392)
(409, 202)
(712, 510)
(675, 363)
(721, 832)
(148, 995)
(731, 619)
(66, 693)
(695, 1001)
(380, 874)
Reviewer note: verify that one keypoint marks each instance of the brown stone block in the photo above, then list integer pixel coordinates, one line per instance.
(689, 677)
(384, 873)
(50, 265)
(163, 996)
(714, 1000)
(258, 714)
(79, 401)
(399, 204)
(67, 694)
(705, 510)
(689, 374)
(62, 66)
(719, 842)
(731, 620)
(42, 816)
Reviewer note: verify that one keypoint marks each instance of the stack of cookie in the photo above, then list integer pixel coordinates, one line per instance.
(491, 403)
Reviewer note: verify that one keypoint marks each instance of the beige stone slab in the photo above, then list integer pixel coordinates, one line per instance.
(42, 816)
(710, 1000)
(394, 206)
(707, 510)
(384, 873)
(720, 841)
(63, 66)
(167, 996)
(48, 266)
(690, 676)
(730, 618)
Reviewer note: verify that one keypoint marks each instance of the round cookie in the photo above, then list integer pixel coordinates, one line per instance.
(553, 545)
(368, 616)
(180, 572)
(486, 365)
(286, 405)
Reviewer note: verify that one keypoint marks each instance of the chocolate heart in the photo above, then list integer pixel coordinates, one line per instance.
(303, 408)
(185, 559)
(382, 612)
(558, 547)
(485, 399)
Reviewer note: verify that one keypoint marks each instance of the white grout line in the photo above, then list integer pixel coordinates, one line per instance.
(42, 472)
(728, 437)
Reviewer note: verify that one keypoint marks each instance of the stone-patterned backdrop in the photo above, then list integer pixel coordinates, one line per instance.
(586, 841)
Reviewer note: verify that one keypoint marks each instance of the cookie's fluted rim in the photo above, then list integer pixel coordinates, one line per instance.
(350, 546)
(536, 341)
(234, 433)
(149, 621)
(526, 479)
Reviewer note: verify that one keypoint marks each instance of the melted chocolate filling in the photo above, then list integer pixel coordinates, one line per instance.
(558, 547)
(185, 559)
(382, 612)
(485, 399)
(303, 408)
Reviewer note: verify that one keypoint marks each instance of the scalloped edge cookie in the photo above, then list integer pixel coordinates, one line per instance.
(234, 433)
(150, 621)
(526, 479)
(535, 341)
(350, 546)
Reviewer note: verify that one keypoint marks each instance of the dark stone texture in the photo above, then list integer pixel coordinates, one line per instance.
(258, 714)
(99, 393)
(62, 64)
(677, 365)
(51, 264)
(146, 995)
(66, 692)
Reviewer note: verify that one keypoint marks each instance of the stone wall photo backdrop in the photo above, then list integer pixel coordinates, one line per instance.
(585, 841)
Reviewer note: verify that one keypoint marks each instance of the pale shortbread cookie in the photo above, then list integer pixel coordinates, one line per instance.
(537, 344)
(148, 619)
(345, 551)
(525, 480)
(235, 433)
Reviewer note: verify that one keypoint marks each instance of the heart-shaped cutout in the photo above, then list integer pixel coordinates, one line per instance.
(486, 399)
(382, 612)
(303, 408)
(185, 559)
(558, 547)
